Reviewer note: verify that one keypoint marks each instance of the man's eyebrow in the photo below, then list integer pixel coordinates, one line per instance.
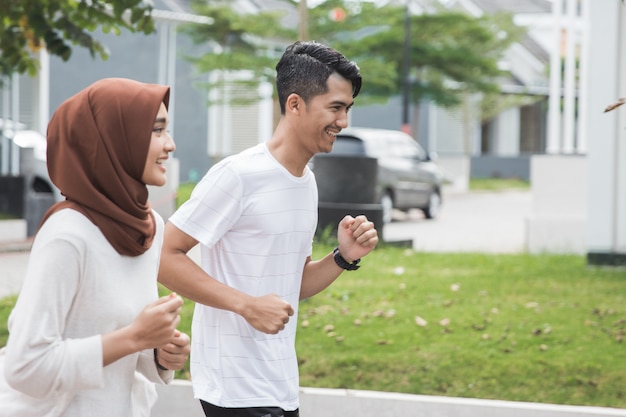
(342, 103)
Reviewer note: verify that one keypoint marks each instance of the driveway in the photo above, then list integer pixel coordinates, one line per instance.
(488, 222)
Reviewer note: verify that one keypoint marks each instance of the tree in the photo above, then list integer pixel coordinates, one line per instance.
(239, 42)
(451, 53)
(30, 25)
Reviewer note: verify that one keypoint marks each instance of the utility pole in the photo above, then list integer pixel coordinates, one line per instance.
(303, 33)
(406, 82)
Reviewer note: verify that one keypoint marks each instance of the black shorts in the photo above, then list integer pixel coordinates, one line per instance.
(211, 410)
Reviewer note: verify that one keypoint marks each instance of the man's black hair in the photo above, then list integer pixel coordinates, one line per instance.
(305, 67)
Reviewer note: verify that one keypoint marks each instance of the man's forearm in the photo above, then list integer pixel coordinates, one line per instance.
(318, 275)
(182, 275)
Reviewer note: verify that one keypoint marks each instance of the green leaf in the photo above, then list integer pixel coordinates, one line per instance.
(61, 23)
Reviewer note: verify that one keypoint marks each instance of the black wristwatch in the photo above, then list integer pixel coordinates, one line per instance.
(342, 263)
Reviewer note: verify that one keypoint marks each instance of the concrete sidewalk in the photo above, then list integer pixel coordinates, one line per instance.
(487, 222)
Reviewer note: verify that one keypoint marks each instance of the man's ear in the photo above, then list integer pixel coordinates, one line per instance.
(293, 103)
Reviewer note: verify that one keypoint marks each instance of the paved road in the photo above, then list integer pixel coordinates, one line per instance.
(469, 222)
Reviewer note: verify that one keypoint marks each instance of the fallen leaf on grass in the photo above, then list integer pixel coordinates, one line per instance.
(321, 310)
(420, 321)
(545, 330)
(601, 313)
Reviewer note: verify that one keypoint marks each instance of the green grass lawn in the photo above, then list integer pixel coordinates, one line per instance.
(498, 184)
(514, 327)
(540, 328)
(183, 193)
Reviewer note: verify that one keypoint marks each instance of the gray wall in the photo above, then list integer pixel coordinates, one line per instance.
(389, 116)
(487, 166)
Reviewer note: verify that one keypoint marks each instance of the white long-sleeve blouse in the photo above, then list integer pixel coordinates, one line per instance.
(77, 287)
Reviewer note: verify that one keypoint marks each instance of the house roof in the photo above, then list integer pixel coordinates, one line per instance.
(173, 5)
(243, 6)
(514, 6)
(535, 49)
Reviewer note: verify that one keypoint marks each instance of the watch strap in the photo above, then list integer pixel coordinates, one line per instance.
(342, 263)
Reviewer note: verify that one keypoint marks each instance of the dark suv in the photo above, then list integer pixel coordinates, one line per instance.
(407, 177)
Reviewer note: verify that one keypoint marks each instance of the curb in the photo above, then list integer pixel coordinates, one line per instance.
(177, 399)
(16, 246)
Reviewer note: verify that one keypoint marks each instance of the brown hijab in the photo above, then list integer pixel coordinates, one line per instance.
(98, 144)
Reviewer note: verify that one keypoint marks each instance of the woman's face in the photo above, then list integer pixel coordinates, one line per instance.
(161, 144)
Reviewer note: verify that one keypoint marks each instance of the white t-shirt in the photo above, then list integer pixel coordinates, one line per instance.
(255, 223)
(76, 288)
